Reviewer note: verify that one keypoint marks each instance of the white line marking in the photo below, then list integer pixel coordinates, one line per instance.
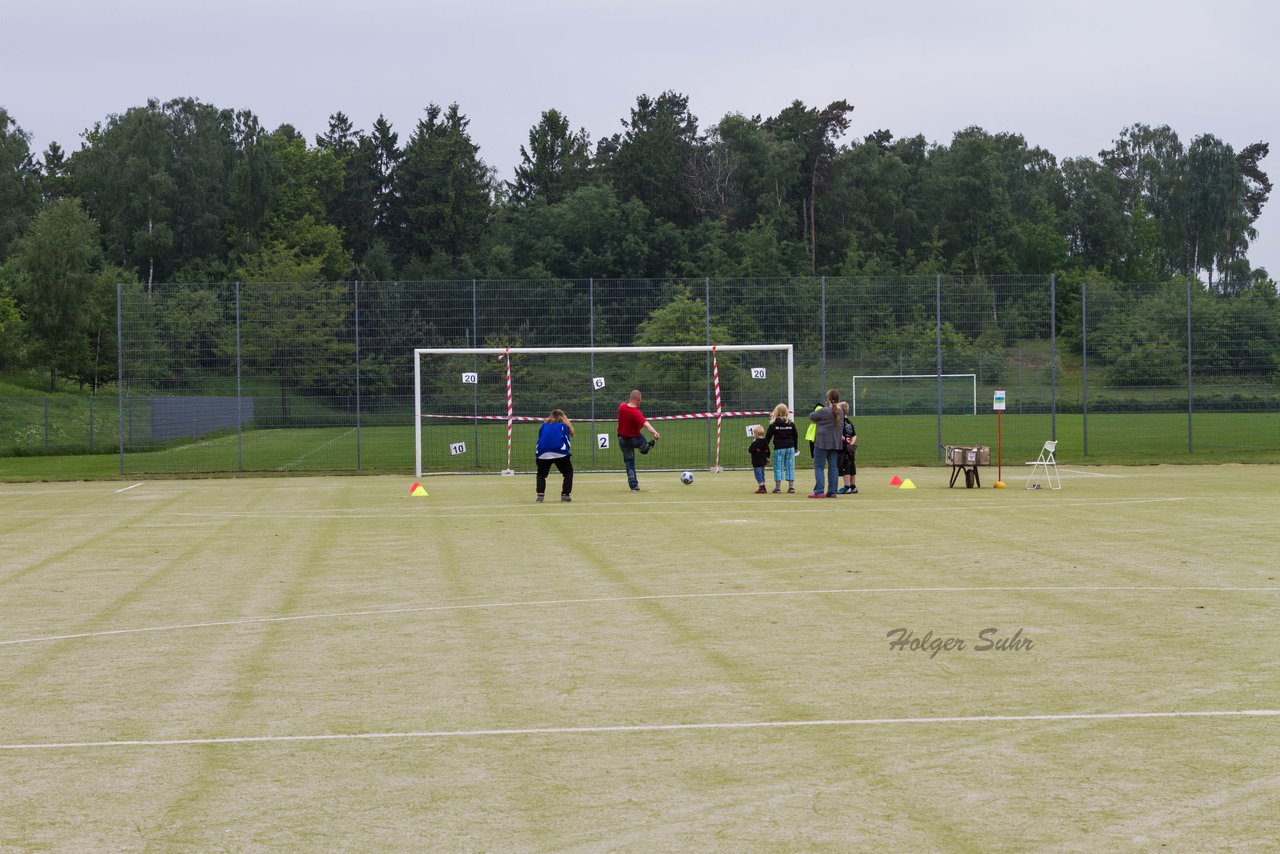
(127, 488)
(643, 728)
(1093, 473)
(727, 594)
(318, 448)
(582, 508)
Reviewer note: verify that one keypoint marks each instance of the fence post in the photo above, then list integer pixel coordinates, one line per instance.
(91, 397)
(46, 424)
(239, 416)
(475, 390)
(1190, 406)
(1084, 365)
(120, 374)
(591, 338)
(1053, 356)
(357, 300)
(823, 390)
(937, 327)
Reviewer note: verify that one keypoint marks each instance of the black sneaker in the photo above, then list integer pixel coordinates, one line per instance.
(566, 498)
(539, 499)
(653, 444)
(853, 490)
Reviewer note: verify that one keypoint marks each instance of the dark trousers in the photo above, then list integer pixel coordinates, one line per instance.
(565, 465)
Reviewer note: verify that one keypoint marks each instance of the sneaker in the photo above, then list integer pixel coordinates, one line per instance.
(566, 498)
(635, 489)
(539, 499)
(777, 489)
(761, 490)
(816, 495)
(830, 495)
(790, 489)
(842, 490)
(853, 490)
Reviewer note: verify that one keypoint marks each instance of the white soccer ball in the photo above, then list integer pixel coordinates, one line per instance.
(686, 477)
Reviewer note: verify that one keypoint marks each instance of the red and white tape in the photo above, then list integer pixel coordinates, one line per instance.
(510, 417)
(531, 418)
(715, 373)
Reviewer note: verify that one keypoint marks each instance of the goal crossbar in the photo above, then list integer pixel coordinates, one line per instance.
(854, 405)
(418, 352)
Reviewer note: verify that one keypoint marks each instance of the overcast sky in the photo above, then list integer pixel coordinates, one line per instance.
(1067, 76)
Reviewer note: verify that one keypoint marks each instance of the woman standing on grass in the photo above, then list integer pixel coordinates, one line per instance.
(554, 437)
(828, 443)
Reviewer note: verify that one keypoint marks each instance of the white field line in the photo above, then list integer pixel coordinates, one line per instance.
(647, 728)
(658, 508)
(127, 488)
(318, 448)
(1091, 473)
(602, 600)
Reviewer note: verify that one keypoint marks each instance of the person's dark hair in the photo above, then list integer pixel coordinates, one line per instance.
(833, 398)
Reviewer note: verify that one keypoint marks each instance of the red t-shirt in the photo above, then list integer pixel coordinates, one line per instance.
(630, 420)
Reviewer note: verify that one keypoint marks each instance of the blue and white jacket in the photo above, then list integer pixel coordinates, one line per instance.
(553, 440)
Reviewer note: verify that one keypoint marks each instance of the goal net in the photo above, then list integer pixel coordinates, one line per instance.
(479, 409)
(914, 394)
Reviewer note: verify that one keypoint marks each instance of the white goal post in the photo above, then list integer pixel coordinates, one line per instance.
(973, 379)
(419, 352)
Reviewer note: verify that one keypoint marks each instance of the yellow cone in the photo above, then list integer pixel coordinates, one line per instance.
(907, 484)
(418, 489)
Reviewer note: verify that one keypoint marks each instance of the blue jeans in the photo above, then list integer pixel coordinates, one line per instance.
(629, 446)
(829, 460)
(784, 464)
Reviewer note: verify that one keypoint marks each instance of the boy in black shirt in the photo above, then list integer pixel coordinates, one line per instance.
(759, 450)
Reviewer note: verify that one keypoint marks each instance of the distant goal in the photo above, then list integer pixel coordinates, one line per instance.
(913, 394)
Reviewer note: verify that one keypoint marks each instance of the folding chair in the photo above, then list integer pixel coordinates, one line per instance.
(1045, 467)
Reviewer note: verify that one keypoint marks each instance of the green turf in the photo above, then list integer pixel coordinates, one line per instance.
(883, 440)
(327, 606)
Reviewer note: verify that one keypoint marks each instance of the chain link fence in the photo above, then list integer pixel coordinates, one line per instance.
(319, 376)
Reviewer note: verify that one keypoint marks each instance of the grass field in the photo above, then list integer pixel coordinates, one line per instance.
(328, 664)
(883, 440)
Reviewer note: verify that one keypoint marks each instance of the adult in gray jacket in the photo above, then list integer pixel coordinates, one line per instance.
(828, 442)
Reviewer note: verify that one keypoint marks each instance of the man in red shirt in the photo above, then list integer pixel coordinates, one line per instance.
(631, 422)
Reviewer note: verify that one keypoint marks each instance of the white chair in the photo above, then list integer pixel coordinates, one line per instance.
(1045, 468)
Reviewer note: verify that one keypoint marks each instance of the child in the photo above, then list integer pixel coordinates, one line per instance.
(759, 457)
(782, 430)
(554, 449)
(848, 461)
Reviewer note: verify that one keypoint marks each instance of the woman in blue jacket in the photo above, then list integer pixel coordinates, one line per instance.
(554, 438)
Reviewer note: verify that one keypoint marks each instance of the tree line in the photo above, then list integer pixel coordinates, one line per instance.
(188, 192)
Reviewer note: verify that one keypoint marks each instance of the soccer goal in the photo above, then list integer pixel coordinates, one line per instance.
(913, 394)
(478, 409)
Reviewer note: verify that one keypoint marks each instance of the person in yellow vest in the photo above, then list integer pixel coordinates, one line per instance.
(812, 432)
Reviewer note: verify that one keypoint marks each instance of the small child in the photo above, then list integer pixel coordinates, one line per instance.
(848, 455)
(759, 457)
(782, 430)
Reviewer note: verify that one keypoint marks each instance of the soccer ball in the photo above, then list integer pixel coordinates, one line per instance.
(686, 477)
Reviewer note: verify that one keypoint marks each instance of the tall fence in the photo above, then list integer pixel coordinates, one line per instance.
(307, 376)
